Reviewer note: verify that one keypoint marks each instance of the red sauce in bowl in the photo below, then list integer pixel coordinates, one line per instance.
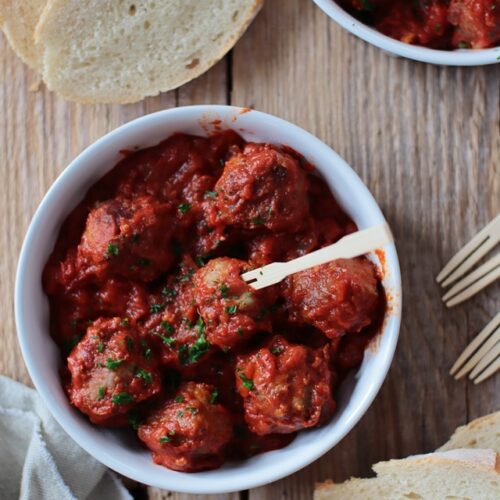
(159, 332)
(438, 24)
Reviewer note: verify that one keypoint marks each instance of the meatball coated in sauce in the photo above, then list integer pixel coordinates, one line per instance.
(138, 231)
(231, 310)
(285, 387)
(111, 372)
(189, 431)
(263, 187)
(338, 297)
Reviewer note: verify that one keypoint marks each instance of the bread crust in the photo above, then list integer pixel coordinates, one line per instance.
(173, 82)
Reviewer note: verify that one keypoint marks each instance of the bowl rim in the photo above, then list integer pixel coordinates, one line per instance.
(458, 57)
(70, 423)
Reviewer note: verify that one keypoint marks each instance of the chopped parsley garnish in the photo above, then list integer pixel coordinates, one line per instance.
(122, 398)
(179, 399)
(111, 251)
(167, 326)
(258, 221)
(134, 419)
(192, 409)
(210, 194)
(464, 45)
(113, 364)
(100, 393)
(145, 375)
(180, 413)
(148, 352)
(165, 439)
(168, 292)
(214, 396)
(185, 207)
(232, 309)
(124, 322)
(224, 289)
(166, 340)
(187, 275)
(276, 350)
(200, 324)
(100, 347)
(70, 344)
(156, 308)
(200, 261)
(239, 331)
(191, 354)
(130, 343)
(246, 382)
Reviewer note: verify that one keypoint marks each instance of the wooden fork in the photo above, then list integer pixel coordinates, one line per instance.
(471, 253)
(482, 356)
(465, 258)
(352, 245)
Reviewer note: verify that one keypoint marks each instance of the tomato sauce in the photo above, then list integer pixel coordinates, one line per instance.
(159, 332)
(438, 24)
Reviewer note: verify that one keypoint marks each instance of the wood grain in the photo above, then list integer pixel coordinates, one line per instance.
(426, 141)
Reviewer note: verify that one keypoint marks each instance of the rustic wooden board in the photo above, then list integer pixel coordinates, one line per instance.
(426, 141)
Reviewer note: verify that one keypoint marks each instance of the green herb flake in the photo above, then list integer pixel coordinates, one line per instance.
(122, 398)
(113, 364)
(224, 289)
(239, 331)
(168, 292)
(179, 399)
(187, 275)
(191, 354)
(168, 341)
(258, 221)
(192, 410)
(464, 45)
(165, 439)
(214, 396)
(246, 382)
(111, 251)
(200, 261)
(100, 347)
(145, 375)
(185, 207)
(210, 194)
(156, 308)
(134, 419)
(276, 350)
(180, 414)
(100, 393)
(124, 322)
(167, 326)
(232, 309)
(148, 353)
(130, 343)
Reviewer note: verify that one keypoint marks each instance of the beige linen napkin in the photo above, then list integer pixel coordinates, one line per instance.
(39, 461)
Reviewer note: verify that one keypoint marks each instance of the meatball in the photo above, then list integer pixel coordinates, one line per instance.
(285, 387)
(138, 231)
(338, 297)
(263, 187)
(231, 310)
(188, 432)
(111, 371)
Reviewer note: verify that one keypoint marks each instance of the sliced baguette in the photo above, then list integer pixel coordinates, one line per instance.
(18, 20)
(123, 50)
(484, 432)
(459, 474)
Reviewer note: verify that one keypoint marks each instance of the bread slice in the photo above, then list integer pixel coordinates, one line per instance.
(123, 50)
(484, 432)
(458, 474)
(18, 20)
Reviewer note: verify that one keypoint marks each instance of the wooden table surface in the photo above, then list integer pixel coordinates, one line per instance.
(426, 141)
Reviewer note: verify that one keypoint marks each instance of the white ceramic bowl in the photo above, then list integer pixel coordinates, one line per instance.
(121, 450)
(460, 57)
